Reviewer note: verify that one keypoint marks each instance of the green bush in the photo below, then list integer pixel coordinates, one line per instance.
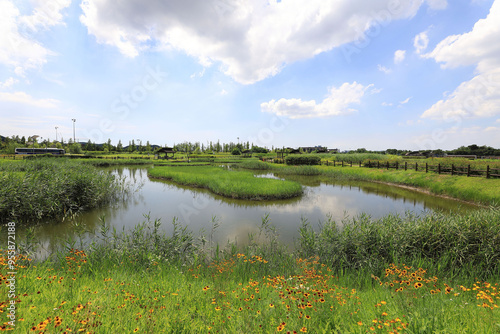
(303, 160)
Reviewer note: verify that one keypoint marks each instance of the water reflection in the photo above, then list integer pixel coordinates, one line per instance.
(195, 207)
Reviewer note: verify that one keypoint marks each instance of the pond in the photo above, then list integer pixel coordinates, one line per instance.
(197, 208)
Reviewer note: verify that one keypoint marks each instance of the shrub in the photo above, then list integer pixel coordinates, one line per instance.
(303, 160)
(235, 151)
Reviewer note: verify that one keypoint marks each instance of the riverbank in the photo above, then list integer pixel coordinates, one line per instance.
(35, 189)
(233, 184)
(476, 190)
(391, 274)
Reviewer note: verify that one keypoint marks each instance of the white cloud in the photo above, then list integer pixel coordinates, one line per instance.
(437, 4)
(45, 15)
(23, 98)
(384, 69)
(19, 50)
(223, 92)
(251, 39)
(338, 102)
(8, 83)
(491, 129)
(405, 101)
(480, 96)
(421, 42)
(386, 104)
(399, 56)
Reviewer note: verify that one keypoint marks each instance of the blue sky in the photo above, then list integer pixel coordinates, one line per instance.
(344, 74)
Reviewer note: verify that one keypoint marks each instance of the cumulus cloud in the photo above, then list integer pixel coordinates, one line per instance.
(251, 39)
(399, 56)
(338, 102)
(19, 50)
(480, 96)
(23, 98)
(421, 42)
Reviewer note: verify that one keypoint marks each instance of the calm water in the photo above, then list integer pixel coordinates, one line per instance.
(195, 208)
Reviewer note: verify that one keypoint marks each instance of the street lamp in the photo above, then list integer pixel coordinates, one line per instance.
(74, 120)
(140, 145)
(56, 132)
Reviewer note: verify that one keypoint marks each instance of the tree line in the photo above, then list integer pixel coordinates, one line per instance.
(9, 144)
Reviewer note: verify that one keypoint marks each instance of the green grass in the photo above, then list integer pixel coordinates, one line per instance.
(474, 189)
(479, 190)
(234, 184)
(147, 282)
(34, 189)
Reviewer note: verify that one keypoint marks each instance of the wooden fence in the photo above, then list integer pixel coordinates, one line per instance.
(453, 170)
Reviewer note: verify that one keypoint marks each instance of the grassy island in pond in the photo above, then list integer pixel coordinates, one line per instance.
(235, 184)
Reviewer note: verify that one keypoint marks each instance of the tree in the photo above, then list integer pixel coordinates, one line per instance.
(236, 151)
(75, 148)
(119, 146)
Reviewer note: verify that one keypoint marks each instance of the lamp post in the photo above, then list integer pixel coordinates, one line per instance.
(56, 132)
(74, 120)
(140, 144)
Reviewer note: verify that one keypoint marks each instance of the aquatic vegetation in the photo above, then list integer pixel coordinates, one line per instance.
(235, 184)
(33, 189)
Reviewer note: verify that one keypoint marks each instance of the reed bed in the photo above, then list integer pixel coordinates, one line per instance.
(143, 281)
(34, 189)
(234, 184)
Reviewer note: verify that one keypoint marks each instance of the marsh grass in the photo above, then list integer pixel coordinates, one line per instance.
(457, 244)
(235, 184)
(34, 189)
(146, 282)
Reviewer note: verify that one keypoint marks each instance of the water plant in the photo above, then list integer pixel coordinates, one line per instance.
(143, 281)
(235, 184)
(34, 189)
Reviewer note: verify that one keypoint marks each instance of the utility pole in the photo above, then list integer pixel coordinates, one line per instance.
(74, 120)
(56, 132)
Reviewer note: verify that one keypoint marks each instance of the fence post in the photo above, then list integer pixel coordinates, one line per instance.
(452, 167)
(488, 171)
(439, 168)
(468, 170)
(333, 163)
(327, 163)
(416, 166)
(360, 164)
(397, 165)
(378, 163)
(351, 163)
(426, 168)
(406, 165)
(342, 163)
(387, 164)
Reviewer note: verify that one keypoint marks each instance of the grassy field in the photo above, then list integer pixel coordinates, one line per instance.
(235, 184)
(147, 282)
(34, 189)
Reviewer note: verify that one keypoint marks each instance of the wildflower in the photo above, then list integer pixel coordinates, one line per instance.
(303, 329)
(417, 285)
(360, 323)
(136, 329)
